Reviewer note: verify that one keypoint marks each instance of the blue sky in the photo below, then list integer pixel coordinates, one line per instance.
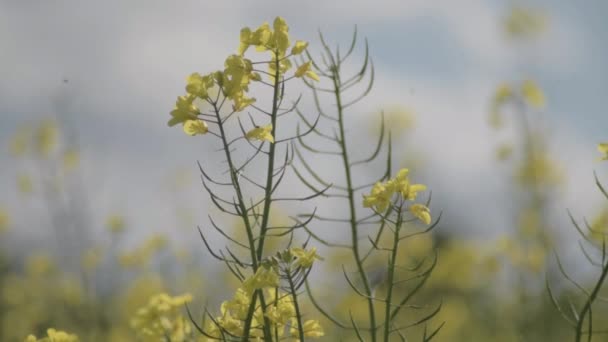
(126, 62)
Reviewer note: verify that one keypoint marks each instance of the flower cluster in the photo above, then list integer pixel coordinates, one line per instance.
(233, 81)
(160, 318)
(529, 91)
(54, 336)
(382, 193)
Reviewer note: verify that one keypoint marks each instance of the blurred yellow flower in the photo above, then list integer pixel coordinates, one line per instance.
(5, 220)
(19, 144)
(46, 137)
(70, 160)
(533, 94)
(91, 259)
(603, 149)
(422, 212)
(54, 336)
(263, 133)
(305, 70)
(160, 319)
(24, 183)
(115, 223)
(312, 328)
(525, 22)
(504, 151)
(194, 127)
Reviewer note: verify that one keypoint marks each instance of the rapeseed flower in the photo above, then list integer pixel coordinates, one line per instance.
(603, 149)
(262, 133)
(195, 127)
(422, 212)
(305, 258)
(533, 94)
(305, 70)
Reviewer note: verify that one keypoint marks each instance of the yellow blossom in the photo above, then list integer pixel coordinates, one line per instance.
(5, 220)
(603, 149)
(19, 143)
(422, 212)
(115, 223)
(380, 197)
(402, 184)
(299, 47)
(525, 22)
(161, 318)
(46, 137)
(91, 259)
(305, 70)
(503, 93)
(24, 183)
(263, 277)
(280, 311)
(532, 94)
(305, 258)
(184, 110)
(194, 127)
(312, 328)
(54, 336)
(199, 85)
(263, 133)
(70, 159)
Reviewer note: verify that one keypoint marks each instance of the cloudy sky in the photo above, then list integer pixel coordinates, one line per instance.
(126, 61)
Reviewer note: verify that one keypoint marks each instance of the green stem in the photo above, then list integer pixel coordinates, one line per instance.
(391, 276)
(587, 308)
(254, 260)
(271, 153)
(351, 203)
(296, 305)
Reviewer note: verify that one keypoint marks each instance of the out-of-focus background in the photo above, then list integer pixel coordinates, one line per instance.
(85, 92)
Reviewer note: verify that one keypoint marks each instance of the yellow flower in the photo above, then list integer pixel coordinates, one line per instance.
(304, 70)
(199, 85)
(263, 133)
(603, 149)
(532, 94)
(525, 22)
(54, 336)
(116, 223)
(5, 220)
(161, 318)
(312, 328)
(299, 47)
(70, 159)
(281, 311)
(194, 127)
(91, 259)
(305, 258)
(19, 143)
(46, 137)
(380, 197)
(263, 277)
(401, 183)
(24, 183)
(280, 36)
(503, 93)
(184, 110)
(284, 65)
(422, 212)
